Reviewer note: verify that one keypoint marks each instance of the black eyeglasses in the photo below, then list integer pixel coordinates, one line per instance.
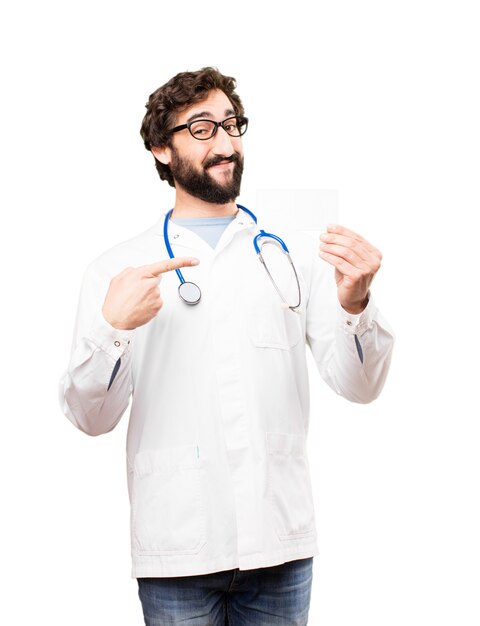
(205, 129)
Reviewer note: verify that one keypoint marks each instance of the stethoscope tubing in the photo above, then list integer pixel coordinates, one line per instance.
(189, 287)
(167, 243)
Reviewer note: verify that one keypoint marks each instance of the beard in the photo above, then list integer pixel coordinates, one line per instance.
(203, 186)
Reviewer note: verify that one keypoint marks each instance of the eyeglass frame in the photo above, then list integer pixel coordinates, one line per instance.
(216, 125)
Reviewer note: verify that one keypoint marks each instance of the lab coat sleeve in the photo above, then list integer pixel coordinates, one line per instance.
(352, 352)
(95, 389)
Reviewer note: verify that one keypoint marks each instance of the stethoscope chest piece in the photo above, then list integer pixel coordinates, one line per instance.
(189, 292)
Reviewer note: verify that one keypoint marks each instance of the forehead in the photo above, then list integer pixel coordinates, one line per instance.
(215, 106)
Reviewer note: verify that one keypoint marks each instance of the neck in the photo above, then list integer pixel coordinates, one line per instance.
(188, 206)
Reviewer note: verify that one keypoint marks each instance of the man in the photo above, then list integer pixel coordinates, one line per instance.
(223, 527)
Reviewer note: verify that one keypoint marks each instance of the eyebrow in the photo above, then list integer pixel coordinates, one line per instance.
(205, 114)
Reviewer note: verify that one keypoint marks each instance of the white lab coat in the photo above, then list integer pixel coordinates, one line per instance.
(218, 473)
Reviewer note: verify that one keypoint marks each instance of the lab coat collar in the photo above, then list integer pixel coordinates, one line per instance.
(181, 236)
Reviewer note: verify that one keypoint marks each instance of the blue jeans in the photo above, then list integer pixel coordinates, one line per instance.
(269, 596)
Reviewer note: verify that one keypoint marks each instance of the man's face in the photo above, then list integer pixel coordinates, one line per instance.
(210, 170)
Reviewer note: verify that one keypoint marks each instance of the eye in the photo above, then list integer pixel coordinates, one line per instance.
(202, 128)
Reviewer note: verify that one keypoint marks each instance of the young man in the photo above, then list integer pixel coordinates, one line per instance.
(214, 357)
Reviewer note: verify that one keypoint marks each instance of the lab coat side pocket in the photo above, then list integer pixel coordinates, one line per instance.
(289, 488)
(168, 514)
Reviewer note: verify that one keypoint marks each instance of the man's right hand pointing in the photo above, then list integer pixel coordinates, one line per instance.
(133, 297)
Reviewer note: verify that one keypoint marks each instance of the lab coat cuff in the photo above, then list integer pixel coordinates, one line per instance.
(111, 340)
(359, 323)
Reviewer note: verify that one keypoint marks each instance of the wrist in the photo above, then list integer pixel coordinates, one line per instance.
(356, 308)
(115, 323)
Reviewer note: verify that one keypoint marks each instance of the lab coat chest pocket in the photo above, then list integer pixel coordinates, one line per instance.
(167, 507)
(288, 486)
(272, 325)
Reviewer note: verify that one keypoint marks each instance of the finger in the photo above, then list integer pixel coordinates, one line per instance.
(343, 266)
(156, 269)
(347, 254)
(337, 229)
(341, 230)
(362, 249)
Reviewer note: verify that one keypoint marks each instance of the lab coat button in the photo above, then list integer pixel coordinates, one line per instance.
(349, 323)
(176, 236)
(117, 343)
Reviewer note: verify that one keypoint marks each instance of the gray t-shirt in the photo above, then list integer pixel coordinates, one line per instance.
(208, 228)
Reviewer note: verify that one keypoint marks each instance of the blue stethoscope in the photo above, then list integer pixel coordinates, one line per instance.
(190, 292)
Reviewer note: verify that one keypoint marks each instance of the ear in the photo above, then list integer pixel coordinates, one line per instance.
(162, 154)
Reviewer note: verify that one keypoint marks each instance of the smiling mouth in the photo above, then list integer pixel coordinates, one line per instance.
(221, 164)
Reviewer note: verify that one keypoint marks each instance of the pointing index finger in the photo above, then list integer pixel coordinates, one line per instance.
(156, 269)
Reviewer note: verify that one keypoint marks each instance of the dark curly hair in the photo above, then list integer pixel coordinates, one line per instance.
(178, 94)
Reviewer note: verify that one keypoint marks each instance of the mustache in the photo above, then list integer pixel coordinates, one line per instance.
(233, 158)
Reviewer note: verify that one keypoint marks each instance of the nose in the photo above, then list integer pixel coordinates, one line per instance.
(223, 142)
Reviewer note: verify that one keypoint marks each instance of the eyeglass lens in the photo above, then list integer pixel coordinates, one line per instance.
(204, 129)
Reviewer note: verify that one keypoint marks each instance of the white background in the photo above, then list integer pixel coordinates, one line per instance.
(378, 100)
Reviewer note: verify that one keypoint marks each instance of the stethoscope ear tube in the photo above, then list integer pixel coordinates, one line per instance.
(290, 306)
(263, 234)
